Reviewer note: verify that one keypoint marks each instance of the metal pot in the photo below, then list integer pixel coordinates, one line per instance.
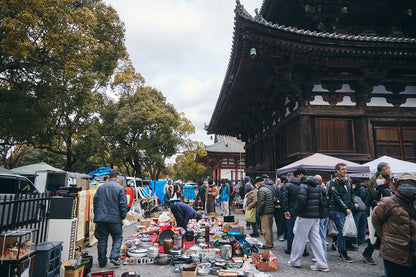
(163, 259)
(177, 241)
(189, 235)
(226, 251)
(153, 252)
(196, 258)
(176, 252)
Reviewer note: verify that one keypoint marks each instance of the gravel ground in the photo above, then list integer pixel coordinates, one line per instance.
(336, 266)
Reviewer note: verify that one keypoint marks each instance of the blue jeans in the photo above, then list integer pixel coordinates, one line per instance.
(290, 223)
(323, 227)
(102, 230)
(339, 219)
(361, 223)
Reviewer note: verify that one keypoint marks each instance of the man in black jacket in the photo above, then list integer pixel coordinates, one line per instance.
(288, 203)
(307, 210)
(265, 209)
(110, 209)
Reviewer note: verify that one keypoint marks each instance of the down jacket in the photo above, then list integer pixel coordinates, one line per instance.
(396, 229)
(289, 194)
(110, 203)
(265, 199)
(308, 198)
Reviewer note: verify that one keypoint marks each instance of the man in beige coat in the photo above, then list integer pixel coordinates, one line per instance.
(251, 204)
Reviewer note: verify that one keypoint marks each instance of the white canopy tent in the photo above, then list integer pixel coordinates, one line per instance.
(397, 166)
(321, 162)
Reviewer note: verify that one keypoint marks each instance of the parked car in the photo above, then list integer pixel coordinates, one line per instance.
(16, 201)
(16, 184)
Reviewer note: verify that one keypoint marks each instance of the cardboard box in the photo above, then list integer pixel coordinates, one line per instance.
(133, 217)
(82, 183)
(269, 265)
(227, 273)
(71, 271)
(188, 273)
(146, 222)
(236, 228)
(238, 211)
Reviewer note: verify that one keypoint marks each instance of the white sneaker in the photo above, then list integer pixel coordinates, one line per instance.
(292, 265)
(315, 268)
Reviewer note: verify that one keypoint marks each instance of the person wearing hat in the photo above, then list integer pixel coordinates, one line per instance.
(248, 186)
(252, 204)
(394, 219)
(210, 195)
(183, 213)
(110, 209)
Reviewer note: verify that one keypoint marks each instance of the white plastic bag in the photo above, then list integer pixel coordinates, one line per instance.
(371, 229)
(164, 217)
(349, 230)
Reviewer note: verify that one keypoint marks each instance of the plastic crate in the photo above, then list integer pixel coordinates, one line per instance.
(103, 274)
(48, 259)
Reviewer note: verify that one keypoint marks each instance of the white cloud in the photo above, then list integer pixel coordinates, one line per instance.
(182, 48)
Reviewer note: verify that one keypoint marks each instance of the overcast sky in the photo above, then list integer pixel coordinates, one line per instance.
(182, 48)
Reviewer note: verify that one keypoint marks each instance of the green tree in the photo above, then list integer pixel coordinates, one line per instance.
(56, 56)
(141, 128)
(186, 168)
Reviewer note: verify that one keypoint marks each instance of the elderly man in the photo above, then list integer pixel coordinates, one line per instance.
(394, 219)
(110, 209)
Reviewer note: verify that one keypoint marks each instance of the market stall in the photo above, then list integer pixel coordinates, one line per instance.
(212, 245)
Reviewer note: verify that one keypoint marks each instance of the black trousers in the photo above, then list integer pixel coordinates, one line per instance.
(393, 270)
(279, 218)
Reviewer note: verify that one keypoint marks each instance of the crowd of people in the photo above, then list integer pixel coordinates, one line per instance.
(304, 208)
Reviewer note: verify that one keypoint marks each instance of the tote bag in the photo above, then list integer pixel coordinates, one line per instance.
(250, 215)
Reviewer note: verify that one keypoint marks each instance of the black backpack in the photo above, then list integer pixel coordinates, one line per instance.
(242, 191)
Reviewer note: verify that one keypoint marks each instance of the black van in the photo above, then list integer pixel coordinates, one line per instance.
(15, 184)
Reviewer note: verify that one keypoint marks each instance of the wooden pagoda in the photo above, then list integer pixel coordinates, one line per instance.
(226, 157)
(334, 77)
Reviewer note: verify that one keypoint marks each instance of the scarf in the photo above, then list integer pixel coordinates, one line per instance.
(344, 181)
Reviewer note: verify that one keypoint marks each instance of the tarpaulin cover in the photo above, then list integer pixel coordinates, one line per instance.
(100, 171)
(320, 162)
(157, 189)
(189, 192)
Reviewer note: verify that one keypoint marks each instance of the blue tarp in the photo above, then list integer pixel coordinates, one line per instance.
(100, 172)
(160, 185)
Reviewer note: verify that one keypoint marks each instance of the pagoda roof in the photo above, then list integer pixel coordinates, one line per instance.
(248, 79)
(226, 144)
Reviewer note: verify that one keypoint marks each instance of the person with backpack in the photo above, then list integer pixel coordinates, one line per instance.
(225, 197)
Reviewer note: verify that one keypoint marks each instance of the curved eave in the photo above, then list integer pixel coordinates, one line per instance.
(250, 31)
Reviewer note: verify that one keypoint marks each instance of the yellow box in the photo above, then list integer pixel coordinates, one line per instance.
(71, 271)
